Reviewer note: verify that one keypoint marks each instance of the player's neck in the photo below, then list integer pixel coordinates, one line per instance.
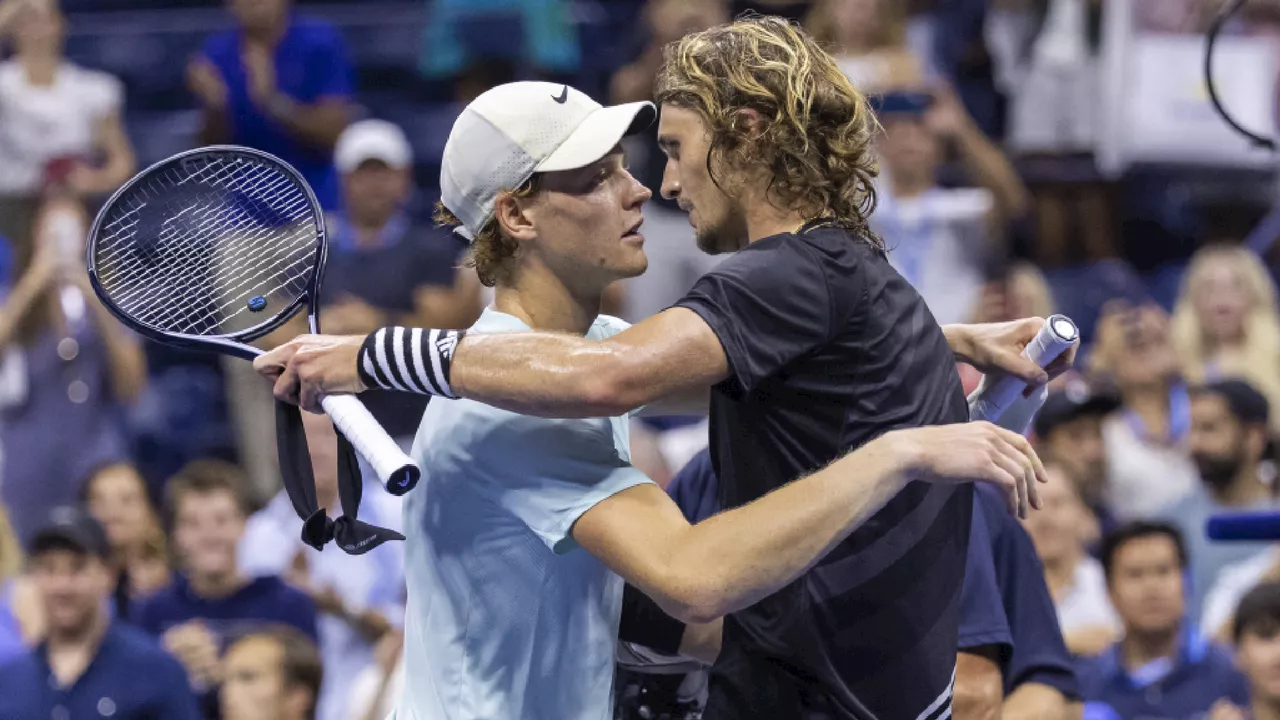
(41, 68)
(544, 302)
(766, 220)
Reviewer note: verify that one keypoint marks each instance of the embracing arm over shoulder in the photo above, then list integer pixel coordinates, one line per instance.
(697, 573)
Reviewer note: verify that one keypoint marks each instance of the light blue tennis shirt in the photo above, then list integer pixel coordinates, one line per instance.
(507, 618)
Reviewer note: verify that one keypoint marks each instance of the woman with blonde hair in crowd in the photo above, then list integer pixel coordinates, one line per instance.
(870, 42)
(1226, 323)
(116, 496)
(19, 616)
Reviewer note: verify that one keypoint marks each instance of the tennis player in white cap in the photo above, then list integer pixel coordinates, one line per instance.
(524, 528)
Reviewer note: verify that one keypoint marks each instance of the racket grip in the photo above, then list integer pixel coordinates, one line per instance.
(397, 471)
(997, 393)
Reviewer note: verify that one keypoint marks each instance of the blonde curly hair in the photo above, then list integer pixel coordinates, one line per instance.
(817, 140)
(492, 251)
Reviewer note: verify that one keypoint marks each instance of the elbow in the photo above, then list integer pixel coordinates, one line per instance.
(614, 388)
(693, 596)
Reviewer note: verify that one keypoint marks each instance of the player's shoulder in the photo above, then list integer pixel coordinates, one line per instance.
(316, 31)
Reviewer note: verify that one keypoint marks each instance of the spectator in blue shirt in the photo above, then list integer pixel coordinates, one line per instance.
(88, 666)
(1161, 668)
(280, 82)
(272, 673)
(210, 601)
(1012, 655)
(1256, 633)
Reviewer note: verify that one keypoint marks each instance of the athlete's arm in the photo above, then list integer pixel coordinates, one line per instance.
(562, 375)
(697, 573)
(979, 690)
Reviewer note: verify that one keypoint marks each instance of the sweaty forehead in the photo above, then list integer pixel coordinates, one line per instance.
(679, 123)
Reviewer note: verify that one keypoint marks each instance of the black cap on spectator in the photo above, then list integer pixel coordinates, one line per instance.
(1075, 399)
(70, 528)
(1258, 612)
(1246, 403)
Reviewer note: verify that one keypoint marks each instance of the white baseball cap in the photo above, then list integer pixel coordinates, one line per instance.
(515, 130)
(372, 140)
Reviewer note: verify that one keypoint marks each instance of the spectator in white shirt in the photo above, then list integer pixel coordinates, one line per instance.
(1060, 530)
(1148, 467)
(942, 239)
(360, 597)
(59, 122)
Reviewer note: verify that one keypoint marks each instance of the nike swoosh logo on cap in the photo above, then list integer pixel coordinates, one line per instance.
(564, 95)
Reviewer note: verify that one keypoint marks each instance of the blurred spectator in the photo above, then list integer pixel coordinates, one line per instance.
(59, 123)
(69, 367)
(1148, 467)
(376, 690)
(675, 262)
(360, 597)
(537, 33)
(1068, 429)
(386, 269)
(19, 621)
(1256, 634)
(942, 240)
(1016, 292)
(1226, 323)
(88, 665)
(1228, 439)
(116, 496)
(210, 600)
(1160, 667)
(271, 674)
(1011, 657)
(1060, 530)
(280, 82)
(869, 41)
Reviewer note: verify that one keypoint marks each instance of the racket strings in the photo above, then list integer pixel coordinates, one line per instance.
(188, 249)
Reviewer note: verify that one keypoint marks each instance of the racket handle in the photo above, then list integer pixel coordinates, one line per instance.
(997, 393)
(397, 471)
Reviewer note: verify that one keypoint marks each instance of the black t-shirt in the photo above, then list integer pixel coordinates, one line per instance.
(829, 348)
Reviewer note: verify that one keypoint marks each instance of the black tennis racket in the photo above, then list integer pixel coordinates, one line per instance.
(216, 247)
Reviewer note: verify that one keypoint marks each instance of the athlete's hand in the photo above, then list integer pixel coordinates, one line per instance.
(997, 347)
(975, 452)
(309, 367)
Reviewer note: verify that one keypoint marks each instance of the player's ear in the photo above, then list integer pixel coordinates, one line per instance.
(512, 216)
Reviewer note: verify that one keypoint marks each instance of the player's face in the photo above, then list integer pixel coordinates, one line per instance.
(39, 29)
(1056, 529)
(1258, 657)
(1222, 301)
(253, 685)
(718, 221)
(207, 530)
(118, 500)
(72, 585)
(1146, 584)
(586, 223)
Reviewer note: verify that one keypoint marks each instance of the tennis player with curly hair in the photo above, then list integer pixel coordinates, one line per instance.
(841, 593)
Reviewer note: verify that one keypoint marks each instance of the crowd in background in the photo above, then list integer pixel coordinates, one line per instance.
(1025, 168)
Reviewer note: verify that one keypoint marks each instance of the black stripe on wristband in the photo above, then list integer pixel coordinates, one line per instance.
(409, 359)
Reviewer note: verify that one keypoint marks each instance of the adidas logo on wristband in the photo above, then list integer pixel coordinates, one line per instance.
(409, 360)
